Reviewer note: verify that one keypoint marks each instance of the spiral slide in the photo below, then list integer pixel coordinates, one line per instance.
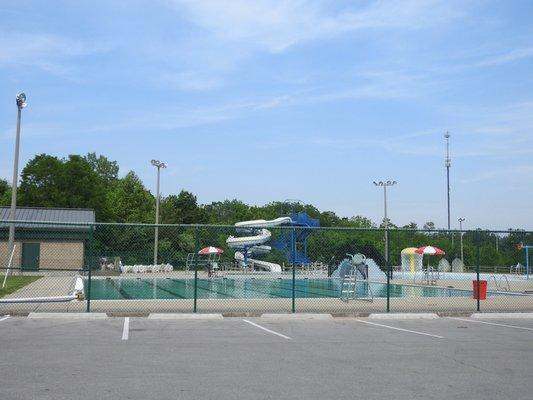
(254, 241)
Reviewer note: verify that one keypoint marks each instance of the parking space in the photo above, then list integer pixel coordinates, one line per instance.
(258, 358)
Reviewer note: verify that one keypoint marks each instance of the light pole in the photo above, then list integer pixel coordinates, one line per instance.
(386, 220)
(158, 164)
(21, 103)
(448, 164)
(461, 220)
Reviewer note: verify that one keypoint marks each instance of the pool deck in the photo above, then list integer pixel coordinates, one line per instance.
(60, 285)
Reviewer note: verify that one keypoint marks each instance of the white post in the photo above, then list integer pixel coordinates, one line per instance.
(156, 238)
(386, 219)
(21, 103)
(9, 265)
(386, 224)
(158, 164)
(461, 229)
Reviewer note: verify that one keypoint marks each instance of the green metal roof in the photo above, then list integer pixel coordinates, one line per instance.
(30, 215)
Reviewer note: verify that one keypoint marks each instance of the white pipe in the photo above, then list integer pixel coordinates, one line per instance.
(74, 293)
(53, 299)
(9, 265)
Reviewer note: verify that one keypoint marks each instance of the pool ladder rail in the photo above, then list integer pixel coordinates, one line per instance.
(349, 288)
(499, 283)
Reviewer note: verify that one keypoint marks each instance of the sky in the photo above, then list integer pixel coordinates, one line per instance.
(297, 99)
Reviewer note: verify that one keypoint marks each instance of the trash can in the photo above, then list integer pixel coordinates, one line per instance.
(482, 290)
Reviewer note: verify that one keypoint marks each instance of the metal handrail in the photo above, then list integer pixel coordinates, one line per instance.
(350, 280)
(430, 275)
(495, 281)
(499, 285)
(370, 290)
(507, 280)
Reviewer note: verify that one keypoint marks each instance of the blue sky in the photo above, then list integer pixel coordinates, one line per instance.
(270, 100)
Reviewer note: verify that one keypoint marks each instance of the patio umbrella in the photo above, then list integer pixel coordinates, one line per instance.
(211, 250)
(430, 250)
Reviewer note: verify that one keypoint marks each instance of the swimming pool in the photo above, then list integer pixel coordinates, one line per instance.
(251, 288)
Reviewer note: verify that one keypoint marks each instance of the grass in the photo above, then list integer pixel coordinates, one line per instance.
(14, 283)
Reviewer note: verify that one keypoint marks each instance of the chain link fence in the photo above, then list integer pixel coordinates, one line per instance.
(114, 268)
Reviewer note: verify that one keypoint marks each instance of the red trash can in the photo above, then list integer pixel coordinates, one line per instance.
(482, 290)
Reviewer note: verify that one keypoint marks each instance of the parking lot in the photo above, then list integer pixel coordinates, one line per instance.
(263, 358)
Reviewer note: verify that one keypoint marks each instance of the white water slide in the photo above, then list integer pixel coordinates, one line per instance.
(255, 244)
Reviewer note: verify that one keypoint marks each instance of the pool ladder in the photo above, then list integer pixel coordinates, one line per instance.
(349, 288)
(499, 283)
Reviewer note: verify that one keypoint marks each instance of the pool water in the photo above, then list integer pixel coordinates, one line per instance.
(250, 288)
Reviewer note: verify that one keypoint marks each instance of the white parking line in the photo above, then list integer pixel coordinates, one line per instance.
(266, 329)
(400, 329)
(493, 323)
(4, 318)
(126, 329)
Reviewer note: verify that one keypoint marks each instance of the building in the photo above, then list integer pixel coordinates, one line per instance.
(47, 238)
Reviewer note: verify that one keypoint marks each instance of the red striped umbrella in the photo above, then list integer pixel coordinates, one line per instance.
(430, 250)
(211, 250)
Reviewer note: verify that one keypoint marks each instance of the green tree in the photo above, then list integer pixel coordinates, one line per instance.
(106, 169)
(181, 209)
(41, 182)
(130, 201)
(48, 181)
(5, 193)
(429, 226)
(82, 186)
(360, 222)
(229, 212)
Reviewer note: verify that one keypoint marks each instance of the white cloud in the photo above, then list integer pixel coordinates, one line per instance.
(514, 174)
(278, 25)
(50, 53)
(507, 57)
(191, 80)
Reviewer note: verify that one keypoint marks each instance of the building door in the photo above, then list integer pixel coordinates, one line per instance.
(30, 256)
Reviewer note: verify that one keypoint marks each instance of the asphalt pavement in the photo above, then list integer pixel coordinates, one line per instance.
(258, 358)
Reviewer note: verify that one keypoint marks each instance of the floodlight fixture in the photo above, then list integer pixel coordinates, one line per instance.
(159, 164)
(21, 100)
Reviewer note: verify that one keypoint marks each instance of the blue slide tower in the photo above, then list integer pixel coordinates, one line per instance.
(285, 242)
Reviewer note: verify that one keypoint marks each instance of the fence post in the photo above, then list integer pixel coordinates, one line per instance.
(89, 267)
(387, 267)
(293, 251)
(196, 245)
(478, 244)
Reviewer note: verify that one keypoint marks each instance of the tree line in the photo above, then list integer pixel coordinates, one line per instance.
(93, 181)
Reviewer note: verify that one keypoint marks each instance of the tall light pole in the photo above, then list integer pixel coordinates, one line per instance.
(386, 220)
(448, 164)
(461, 220)
(21, 103)
(158, 164)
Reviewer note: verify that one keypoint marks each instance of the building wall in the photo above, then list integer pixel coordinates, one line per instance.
(61, 255)
(4, 256)
(68, 255)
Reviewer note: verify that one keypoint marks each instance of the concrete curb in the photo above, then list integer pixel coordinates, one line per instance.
(501, 315)
(43, 315)
(404, 316)
(185, 316)
(302, 316)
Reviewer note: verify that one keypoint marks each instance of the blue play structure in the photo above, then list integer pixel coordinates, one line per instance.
(294, 242)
